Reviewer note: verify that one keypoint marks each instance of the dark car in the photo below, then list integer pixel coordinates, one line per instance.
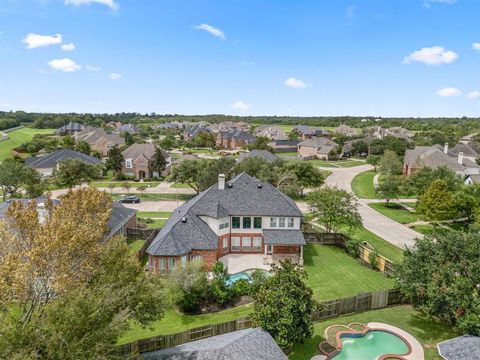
(132, 199)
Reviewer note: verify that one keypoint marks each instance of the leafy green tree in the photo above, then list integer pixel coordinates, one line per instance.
(33, 183)
(188, 172)
(254, 166)
(420, 180)
(307, 176)
(438, 203)
(359, 148)
(334, 208)
(129, 140)
(389, 189)
(440, 275)
(222, 293)
(293, 135)
(389, 164)
(373, 160)
(73, 172)
(83, 147)
(11, 177)
(114, 160)
(284, 305)
(68, 142)
(168, 142)
(261, 143)
(467, 198)
(203, 139)
(158, 162)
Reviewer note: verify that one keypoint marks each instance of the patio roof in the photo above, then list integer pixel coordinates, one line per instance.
(465, 347)
(283, 237)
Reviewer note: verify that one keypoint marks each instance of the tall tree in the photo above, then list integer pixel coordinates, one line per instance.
(420, 180)
(373, 160)
(188, 172)
(438, 203)
(389, 189)
(68, 142)
(307, 176)
(11, 177)
(128, 138)
(83, 147)
(114, 160)
(284, 305)
(75, 172)
(390, 164)
(158, 162)
(59, 279)
(261, 143)
(334, 208)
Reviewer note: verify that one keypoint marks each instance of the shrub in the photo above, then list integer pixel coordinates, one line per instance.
(242, 287)
(372, 258)
(222, 293)
(352, 247)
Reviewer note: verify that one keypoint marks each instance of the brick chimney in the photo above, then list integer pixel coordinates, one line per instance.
(221, 181)
(460, 158)
(445, 148)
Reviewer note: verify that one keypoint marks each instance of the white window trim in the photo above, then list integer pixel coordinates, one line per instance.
(128, 163)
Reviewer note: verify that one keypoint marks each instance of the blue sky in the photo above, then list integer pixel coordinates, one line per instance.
(244, 57)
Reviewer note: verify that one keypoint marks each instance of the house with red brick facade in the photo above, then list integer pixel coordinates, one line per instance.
(234, 139)
(137, 159)
(244, 222)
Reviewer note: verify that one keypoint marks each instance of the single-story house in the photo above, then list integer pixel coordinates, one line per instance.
(466, 347)
(263, 154)
(435, 157)
(317, 147)
(137, 160)
(243, 220)
(247, 344)
(45, 164)
(69, 129)
(234, 139)
(99, 139)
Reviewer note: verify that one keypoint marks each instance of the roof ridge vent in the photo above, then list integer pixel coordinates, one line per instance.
(229, 184)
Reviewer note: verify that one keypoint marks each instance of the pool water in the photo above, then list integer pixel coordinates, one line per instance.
(232, 279)
(370, 346)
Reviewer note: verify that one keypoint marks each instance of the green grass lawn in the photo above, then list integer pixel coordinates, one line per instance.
(410, 204)
(395, 212)
(383, 247)
(135, 245)
(332, 274)
(180, 186)
(19, 137)
(120, 184)
(157, 197)
(362, 185)
(426, 330)
(157, 224)
(326, 173)
(423, 229)
(154, 214)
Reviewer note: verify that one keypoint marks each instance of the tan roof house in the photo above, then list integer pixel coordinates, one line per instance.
(317, 147)
(345, 130)
(272, 132)
(137, 158)
(99, 139)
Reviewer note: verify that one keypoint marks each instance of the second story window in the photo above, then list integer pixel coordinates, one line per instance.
(223, 224)
(235, 222)
(273, 222)
(257, 222)
(281, 222)
(247, 222)
(128, 163)
(291, 222)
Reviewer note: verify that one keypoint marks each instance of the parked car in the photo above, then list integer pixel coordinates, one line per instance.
(132, 199)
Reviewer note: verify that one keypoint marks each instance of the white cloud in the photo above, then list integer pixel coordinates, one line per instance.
(449, 92)
(435, 55)
(240, 105)
(295, 83)
(65, 65)
(476, 46)
(474, 95)
(115, 76)
(68, 47)
(212, 30)
(33, 41)
(93, 68)
(112, 4)
(428, 3)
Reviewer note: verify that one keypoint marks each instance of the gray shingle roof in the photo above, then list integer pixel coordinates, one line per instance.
(318, 143)
(310, 131)
(92, 135)
(71, 127)
(283, 237)
(136, 150)
(465, 347)
(472, 150)
(51, 160)
(130, 128)
(247, 344)
(238, 135)
(433, 156)
(244, 197)
(264, 154)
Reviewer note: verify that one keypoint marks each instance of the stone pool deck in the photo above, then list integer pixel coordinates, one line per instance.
(417, 349)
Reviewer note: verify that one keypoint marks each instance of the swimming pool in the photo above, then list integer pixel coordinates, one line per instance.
(370, 346)
(245, 275)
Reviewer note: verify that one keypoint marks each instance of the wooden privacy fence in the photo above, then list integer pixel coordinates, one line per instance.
(361, 302)
(142, 234)
(146, 244)
(385, 265)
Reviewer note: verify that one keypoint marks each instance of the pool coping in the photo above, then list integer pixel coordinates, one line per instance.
(415, 349)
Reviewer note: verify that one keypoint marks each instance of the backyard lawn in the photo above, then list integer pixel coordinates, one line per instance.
(362, 185)
(332, 274)
(154, 214)
(19, 137)
(426, 330)
(135, 245)
(395, 212)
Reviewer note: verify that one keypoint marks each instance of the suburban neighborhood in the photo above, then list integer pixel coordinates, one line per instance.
(239, 181)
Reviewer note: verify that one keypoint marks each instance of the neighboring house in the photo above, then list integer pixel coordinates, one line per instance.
(263, 154)
(243, 220)
(193, 131)
(121, 219)
(434, 157)
(234, 139)
(307, 132)
(398, 132)
(467, 139)
(317, 147)
(170, 125)
(129, 128)
(348, 146)
(247, 344)
(137, 159)
(69, 129)
(228, 126)
(114, 124)
(282, 146)
(470, 151)
(466, 347)
(99, 139)
(45, 164)
(272, 132)
(472, 179)
(345, 130)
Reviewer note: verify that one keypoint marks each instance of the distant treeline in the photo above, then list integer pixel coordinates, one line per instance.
(459, 126)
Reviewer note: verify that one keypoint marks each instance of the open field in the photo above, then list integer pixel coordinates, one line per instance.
(395, 212)
(426, 330)
(19, 137)
(362, 185)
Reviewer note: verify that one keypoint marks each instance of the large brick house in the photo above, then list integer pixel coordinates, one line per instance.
(317, 147)
(241, 217)
(234, 139)
(137, 160)
(99, 139)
